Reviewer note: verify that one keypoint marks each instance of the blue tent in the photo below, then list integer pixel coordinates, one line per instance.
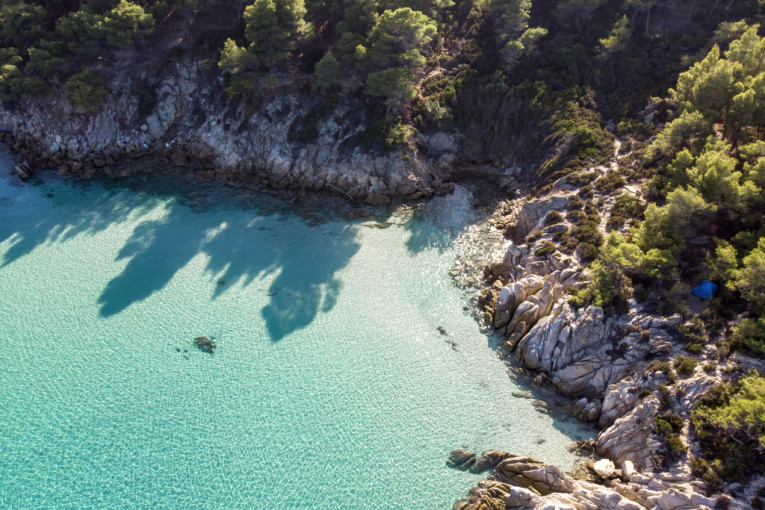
(705, 290)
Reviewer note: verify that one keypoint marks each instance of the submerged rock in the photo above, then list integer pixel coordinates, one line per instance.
(23, 171)
(204, 344)
(461, 459)
(489, 460)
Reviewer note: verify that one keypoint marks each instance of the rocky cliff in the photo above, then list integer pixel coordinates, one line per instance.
(290, 141)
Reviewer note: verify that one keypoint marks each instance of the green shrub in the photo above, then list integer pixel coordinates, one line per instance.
(588, 252)
(625, 147)
(587, 233)
(587, 191)
(627, 206)
(627, 126)
(610, 182)
(397, 134)
(694, 333)
(576, 216)
(750, 334)
(709, 367)
(579, 179)
(685, 365)
(659, 366)
(669, 425)
(15, 85)
(553, 218)
(666, 368)
(575, 203)
(388, 132)
(147, 99)
(615, 222)
(546, 249)
(730, 423)
(123, 23)
(579, 137)
(84, 91)
(591, 210)
(706, 472)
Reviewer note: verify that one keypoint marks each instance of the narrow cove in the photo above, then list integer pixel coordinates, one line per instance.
(347, 366)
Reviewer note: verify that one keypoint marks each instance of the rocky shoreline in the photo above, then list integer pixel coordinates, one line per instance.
(193, 124)
(615, 370)
(522, 482)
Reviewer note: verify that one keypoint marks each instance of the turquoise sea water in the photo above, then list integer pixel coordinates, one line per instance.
(331, 386)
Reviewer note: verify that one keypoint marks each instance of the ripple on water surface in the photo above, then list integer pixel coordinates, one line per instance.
(331, 385)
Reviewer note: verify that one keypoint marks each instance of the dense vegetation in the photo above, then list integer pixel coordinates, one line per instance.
(526, 83)
(730, 421)
(706, 217)
(705, 220)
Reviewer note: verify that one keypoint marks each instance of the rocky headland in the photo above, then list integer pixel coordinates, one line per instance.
(615, 368)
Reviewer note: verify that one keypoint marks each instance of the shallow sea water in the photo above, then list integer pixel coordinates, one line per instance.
(331, 385)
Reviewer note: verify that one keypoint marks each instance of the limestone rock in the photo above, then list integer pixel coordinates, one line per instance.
(629, 438)
(524, 498)
(258, 149)
(527, 472)
(628, 468)
(442, 142)
(619, 399)
(675, 499)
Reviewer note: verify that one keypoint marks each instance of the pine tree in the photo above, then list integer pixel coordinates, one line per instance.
(273, 26)
(514, 37)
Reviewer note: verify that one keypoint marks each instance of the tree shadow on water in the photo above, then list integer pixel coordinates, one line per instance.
(307, 283)
(27, 229)
(240, 252)
(240, 246)
(155, 251)
(305, 258)
(240, 249)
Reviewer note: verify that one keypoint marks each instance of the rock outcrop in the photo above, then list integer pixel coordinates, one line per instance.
(461, 459)
(489, 460)
(531, 214)
(616, 369)
(576, 353)
(524, 483)
(284, 144)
